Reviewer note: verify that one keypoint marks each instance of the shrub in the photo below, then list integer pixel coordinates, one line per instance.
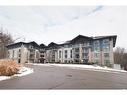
(8, 67)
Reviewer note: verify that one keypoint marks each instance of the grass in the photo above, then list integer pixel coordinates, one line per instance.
(8, 67)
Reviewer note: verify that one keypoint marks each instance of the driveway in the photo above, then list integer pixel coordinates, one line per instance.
(54, 77)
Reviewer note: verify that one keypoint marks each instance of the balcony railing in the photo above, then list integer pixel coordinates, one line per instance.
(85, 57)
(32, 57)
(32, 51)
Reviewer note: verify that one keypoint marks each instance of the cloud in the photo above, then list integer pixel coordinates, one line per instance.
(45, 24)
(97, 9)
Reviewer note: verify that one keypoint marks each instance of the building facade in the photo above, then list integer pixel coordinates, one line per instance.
(81, 49)
(24, 52)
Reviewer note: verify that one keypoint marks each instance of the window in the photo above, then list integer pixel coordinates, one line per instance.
(65, 53)
(65, 61)
(107, 62)
(106, 41)
(27, 56)
(41, 55)
(19, 50)
(42, 52)
(31, 47)
(85, 44)
(65, 56)
(13, 53)
(77, 55)
(70, 53)
(106, 45)
(96, 43)
(96, 61)
(106, 48)
(53, 56)
(96, 48)
(70, 45)
(18, 60)
(66, 46)
(85, 50)
(76, 49)
(96, 55)
(8, 53)
(76, 45)
(37, 54)
(106, 55)
(84, 55)
(76, 61)
(59, 54)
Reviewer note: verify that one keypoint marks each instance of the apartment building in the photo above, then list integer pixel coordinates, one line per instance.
(84, 49)
(81, 49)
(23, 52)
(42, 53)
(51, 53)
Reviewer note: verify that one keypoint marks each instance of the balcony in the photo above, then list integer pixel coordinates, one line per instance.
(32, 51)
(85, 57)
(32, 57)
(85, 51)
(85, 45)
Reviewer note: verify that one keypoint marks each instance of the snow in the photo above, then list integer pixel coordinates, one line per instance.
(4, 78)
(89, 67)
(39, 64)
(84, 67)
(25, 71)
(22, 72)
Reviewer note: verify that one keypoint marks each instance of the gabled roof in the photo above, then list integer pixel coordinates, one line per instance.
(77, 39)
(33, 43)
(65, 43)
(52, 45)
(15, 44)
(43, 46)
(80, 38)
(22, 43)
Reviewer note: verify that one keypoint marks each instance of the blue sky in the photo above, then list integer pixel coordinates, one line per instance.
(45, 24)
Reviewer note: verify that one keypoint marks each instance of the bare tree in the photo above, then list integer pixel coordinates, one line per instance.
(120, 57)
(5, 39)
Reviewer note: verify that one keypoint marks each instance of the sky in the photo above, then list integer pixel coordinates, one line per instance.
(45, 24)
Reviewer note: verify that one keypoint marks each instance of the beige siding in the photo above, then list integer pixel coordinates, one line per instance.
(111, 52)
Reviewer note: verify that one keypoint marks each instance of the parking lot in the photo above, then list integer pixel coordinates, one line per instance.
(55, 77)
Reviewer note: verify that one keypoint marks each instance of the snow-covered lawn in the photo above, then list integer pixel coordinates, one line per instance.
(22, 72)
(83, 67)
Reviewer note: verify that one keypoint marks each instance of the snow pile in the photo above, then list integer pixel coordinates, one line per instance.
(22, 72)
(4, 78)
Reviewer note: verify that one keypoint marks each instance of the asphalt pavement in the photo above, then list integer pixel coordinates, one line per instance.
(54, 77)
